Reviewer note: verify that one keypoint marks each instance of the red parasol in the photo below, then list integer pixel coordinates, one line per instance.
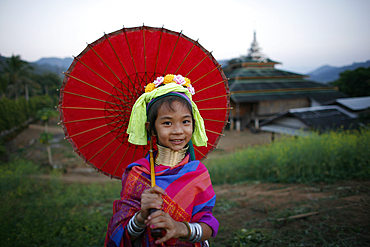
(104, 81)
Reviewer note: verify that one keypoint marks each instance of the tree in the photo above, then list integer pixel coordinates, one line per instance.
(4, 83)
(355, 83)
(18, 72)
(48, 81)
(45, 114)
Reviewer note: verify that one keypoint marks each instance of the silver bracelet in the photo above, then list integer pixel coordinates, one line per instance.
(196, 232)
(133, 229)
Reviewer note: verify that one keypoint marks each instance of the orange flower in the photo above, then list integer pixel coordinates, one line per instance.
(187, 82)
(168, 79)
(150, 87)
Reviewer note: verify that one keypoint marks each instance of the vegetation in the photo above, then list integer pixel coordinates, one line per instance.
(14, 113)
(53, 213)
(49, 82)
(354, 83)
(44, 115)
(17, 79)
(37, 212)
(326, 157)
(18, 76)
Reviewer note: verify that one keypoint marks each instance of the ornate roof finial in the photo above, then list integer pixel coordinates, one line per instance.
(255, 51)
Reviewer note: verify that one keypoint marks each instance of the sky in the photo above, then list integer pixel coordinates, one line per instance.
(301, 34)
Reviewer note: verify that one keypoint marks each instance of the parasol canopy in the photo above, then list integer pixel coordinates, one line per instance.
(104, 81)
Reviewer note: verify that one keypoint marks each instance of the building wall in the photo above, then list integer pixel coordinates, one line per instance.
(243, 110)
(266, 108)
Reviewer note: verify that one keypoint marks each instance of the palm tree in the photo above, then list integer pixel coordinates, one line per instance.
(4, 83)
(48, 80)
(18, 72)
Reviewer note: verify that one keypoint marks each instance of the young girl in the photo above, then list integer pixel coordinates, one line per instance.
(183, 193)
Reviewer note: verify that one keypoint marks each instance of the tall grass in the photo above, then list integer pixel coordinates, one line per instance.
(47, 212)
(326, 157)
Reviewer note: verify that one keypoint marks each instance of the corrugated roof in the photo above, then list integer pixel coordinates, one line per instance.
(355, 104)
(284, 130)
(326, 119)
(321, 118)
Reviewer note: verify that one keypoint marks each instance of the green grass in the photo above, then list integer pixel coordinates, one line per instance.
(37, 212)
(48, 212)
(327, 157)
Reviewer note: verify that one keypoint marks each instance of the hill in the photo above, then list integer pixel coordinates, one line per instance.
(326, 73)
(52, 64)
(56, 62)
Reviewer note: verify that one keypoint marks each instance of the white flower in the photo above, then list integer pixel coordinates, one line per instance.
(158, 81)
(191, 89)
(179, 79)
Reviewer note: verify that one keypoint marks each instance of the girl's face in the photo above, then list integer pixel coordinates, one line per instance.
(174, 127)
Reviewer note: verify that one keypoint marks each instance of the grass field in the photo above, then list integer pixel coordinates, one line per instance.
(317, 158)
(47, 212)
(309, 176)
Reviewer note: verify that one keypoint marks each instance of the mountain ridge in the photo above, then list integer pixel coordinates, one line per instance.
(63, 63)
(326, 73)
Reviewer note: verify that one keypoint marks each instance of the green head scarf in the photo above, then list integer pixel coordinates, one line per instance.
(136, 127)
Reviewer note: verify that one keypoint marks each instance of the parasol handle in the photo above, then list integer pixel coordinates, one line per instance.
(152, 171)
(156, 233)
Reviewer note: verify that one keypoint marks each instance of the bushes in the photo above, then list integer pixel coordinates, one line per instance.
(327, 157)
(38, 212)
(15, 113)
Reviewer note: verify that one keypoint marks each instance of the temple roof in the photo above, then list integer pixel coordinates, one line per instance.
(320, 96)
(258, 73)
(253, 78)
(245, 85)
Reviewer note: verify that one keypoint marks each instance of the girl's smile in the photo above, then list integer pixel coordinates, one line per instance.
(174, 126)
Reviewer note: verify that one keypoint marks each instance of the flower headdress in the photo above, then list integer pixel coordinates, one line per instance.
(170, 84)
(170, 78)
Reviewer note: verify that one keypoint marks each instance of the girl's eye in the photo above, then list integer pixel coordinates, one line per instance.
(186, 121)
(167, 123)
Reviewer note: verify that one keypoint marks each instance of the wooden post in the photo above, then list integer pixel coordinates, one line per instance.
(237, 117)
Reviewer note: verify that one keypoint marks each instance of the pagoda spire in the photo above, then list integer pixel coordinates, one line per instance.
(255, 51)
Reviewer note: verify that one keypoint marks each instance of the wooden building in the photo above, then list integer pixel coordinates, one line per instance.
(259, 90)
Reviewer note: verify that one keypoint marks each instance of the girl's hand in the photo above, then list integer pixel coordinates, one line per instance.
(151, 198)
(163, 220)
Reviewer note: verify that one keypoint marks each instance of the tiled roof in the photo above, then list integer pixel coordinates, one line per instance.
(246, 59)
(319, 96)
(259, 72)
(273, 85)
(263, 84)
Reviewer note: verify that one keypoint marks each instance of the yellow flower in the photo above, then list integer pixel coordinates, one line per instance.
(187, 81)
(150, 87)
(168, 79)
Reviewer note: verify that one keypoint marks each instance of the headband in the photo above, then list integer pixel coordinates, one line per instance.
(136, 127)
